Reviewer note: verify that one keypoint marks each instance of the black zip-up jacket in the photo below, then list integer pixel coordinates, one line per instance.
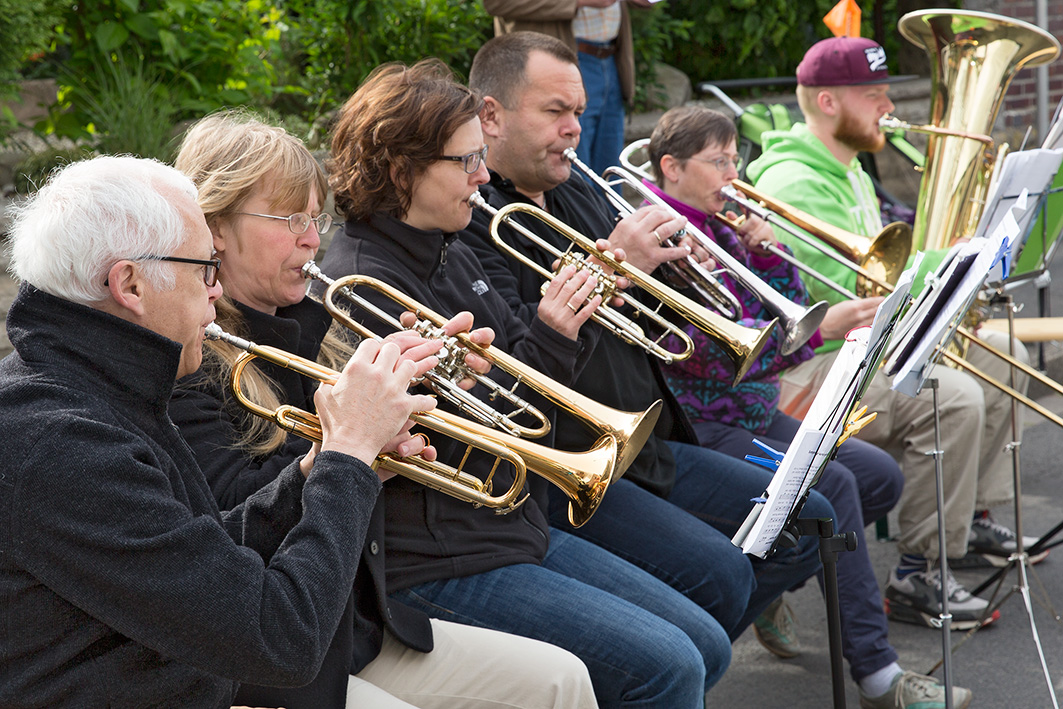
(120, 582)
(618, 375)
(206, 415)
(430, 535)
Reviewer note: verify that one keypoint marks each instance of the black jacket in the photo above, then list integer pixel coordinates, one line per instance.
(430, 535)
(618, 374)
(206, 415)
(120, 582)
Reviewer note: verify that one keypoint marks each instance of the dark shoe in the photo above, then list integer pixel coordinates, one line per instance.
(916, 599)
(996, 542)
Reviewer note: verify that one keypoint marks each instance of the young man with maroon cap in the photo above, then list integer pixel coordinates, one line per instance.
(843, 86)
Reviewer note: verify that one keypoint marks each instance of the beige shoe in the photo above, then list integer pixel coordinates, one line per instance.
(775, 630)
(914, 691)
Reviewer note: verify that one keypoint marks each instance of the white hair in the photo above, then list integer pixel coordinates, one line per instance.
(93, 213)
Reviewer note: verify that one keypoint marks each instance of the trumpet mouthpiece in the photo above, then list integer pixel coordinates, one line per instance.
(477, 200)
(310, 270)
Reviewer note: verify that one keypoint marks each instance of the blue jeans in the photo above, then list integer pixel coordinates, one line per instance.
(645, 644)
(602, 123)
(673, 545)
(862, 484)
(713, 489)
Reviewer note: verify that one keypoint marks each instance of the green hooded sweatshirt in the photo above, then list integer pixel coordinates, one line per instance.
(796, 168)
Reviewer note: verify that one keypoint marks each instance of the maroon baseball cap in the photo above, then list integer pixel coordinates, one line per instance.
(845, 61)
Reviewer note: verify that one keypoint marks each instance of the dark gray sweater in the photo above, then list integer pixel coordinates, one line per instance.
(120, 583)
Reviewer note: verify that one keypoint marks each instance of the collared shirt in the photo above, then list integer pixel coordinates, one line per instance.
(597, 24)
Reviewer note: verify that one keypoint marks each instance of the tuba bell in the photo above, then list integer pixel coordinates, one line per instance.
(973, 58)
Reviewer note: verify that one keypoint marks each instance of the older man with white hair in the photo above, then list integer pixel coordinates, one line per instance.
(120, 582)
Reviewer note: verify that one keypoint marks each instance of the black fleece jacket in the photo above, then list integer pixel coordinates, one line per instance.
(430, 535)
(206, 414)
(120, 583)
(618, 374)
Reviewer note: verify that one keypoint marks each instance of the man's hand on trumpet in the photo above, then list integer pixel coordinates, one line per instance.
(569, 300)
(642, 236)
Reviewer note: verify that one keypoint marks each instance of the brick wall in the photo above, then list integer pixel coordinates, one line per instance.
(1019, 110)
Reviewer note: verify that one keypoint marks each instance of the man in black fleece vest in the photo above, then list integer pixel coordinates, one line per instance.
(120, 583)
(690, 497)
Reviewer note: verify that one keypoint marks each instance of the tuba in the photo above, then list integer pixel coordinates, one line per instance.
(582, 476)
(973, 58)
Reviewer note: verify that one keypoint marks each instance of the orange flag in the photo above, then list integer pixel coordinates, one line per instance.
(844, 19)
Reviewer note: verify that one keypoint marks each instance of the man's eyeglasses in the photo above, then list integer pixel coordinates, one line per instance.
(722, 164)
(471, 162)
(210, 268)
(300, 221)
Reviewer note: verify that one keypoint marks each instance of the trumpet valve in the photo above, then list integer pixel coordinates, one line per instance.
(605, 282)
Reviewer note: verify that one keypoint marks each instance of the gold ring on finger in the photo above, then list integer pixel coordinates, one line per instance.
(572, 307)
(656, 236)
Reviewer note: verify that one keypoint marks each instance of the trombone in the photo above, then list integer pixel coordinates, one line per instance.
(742, 345)
(797, 323)
(888, 259)
(583, 477)
(630, 430)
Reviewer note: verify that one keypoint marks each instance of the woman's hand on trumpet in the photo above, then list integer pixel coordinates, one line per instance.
(367, 409)
(568, 302)
(755, 234)
(462, 322)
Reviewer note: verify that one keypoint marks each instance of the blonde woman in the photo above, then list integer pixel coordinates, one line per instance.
(262, 194)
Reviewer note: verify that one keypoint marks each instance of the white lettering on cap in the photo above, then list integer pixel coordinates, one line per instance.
(876, 58)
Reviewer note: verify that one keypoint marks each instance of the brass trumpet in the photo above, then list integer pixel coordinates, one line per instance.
(584, 477)
(796, 322)
(742, 345)
(442, 379)
(688, 270)
(630, 430)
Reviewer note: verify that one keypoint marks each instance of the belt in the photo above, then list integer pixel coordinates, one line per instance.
(599, 50)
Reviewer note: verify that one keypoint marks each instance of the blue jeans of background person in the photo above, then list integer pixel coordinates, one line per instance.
(676, 547)
(709, 486)
(862, 484)
(602, 123)
(645, 644)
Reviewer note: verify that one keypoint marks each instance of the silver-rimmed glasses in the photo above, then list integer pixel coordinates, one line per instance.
(300, 221)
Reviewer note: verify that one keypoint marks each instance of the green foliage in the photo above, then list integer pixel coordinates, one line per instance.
(336, 43)
(193, 56)
(25, 29)
(657, 35)
(35, 168)
(741, 38)
(128, 108)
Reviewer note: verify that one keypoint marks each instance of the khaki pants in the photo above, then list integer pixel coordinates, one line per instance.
(975, 428)
(474, 668)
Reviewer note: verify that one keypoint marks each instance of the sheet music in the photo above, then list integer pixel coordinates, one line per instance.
(1029, 172)
(957, 287)
(823, 425)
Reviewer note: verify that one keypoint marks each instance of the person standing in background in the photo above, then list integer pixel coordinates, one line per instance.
(600, 31)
